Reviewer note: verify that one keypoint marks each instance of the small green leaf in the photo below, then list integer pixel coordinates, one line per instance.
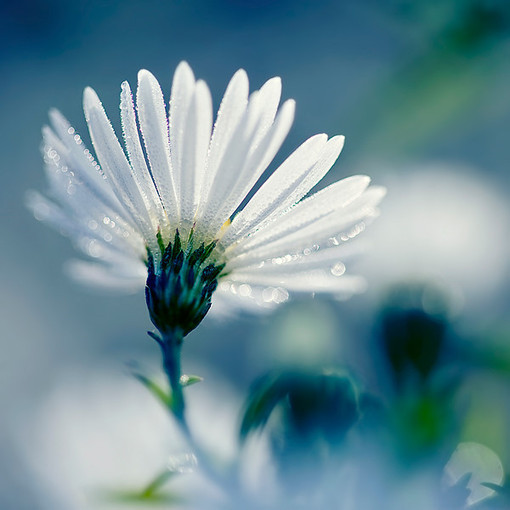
(151, 490)
(189, 380)
(135, 498)
(162, 395)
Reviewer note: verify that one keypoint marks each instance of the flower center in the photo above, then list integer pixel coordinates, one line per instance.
(179, 290)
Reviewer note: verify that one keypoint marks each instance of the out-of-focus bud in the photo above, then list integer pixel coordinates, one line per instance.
(413, 330)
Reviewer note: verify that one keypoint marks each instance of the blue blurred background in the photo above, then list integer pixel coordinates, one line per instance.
(419, 88)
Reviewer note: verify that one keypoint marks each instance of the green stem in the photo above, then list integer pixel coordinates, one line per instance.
(171, 349)
(170, 343)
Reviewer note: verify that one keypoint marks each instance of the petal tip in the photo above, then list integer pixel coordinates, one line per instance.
(183, 70)
(145, 75)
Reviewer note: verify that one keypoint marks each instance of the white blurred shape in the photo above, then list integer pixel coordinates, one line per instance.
(444, 223)
(100, 432)
(483, 465)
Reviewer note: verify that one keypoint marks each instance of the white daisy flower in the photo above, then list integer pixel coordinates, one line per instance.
(169, 210)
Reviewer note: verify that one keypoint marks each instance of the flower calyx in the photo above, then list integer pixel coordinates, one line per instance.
(179, 289)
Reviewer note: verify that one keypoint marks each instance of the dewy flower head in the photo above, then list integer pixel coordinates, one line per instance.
(170, 210)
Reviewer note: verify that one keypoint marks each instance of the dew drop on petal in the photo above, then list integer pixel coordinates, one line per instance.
(92, 224)
(245, 290)
(275, 295)
(267, 294)
(338, 269)
(279, 295)
(94, 249)
(182, 463)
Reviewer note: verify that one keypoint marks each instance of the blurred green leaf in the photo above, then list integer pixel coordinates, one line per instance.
(151, 494)
(265, 394)
(323, 403)
(161, 395)
(444, 81)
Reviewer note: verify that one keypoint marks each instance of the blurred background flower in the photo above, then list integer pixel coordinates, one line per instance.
(419, 88)
(98, 440)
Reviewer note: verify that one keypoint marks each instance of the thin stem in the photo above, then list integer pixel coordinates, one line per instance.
(171, 349)
(170, 344)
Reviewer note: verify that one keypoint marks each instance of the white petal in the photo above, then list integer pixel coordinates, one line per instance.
(183, 87)
(85, 229)
(232, 108)
(197, 136)
(331, 258)
(308, 212)
(115, 165)
(312, 281)
(70, 146)
(80, 202)
(344, 223)
(129, 278)
(279, 191)
(139, 169)
(234, 157)
(154, 127)
(269, 98)
(252, 167)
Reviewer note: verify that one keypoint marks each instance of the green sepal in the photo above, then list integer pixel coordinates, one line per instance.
(500, 489)
(161, 243)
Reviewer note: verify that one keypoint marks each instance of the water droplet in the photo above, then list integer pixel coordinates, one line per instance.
(338, 269)
(245, 290)
(94, 249)
(267, 294)
(275, 295)
(280, 295)
(182, 463)
(92, 224)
